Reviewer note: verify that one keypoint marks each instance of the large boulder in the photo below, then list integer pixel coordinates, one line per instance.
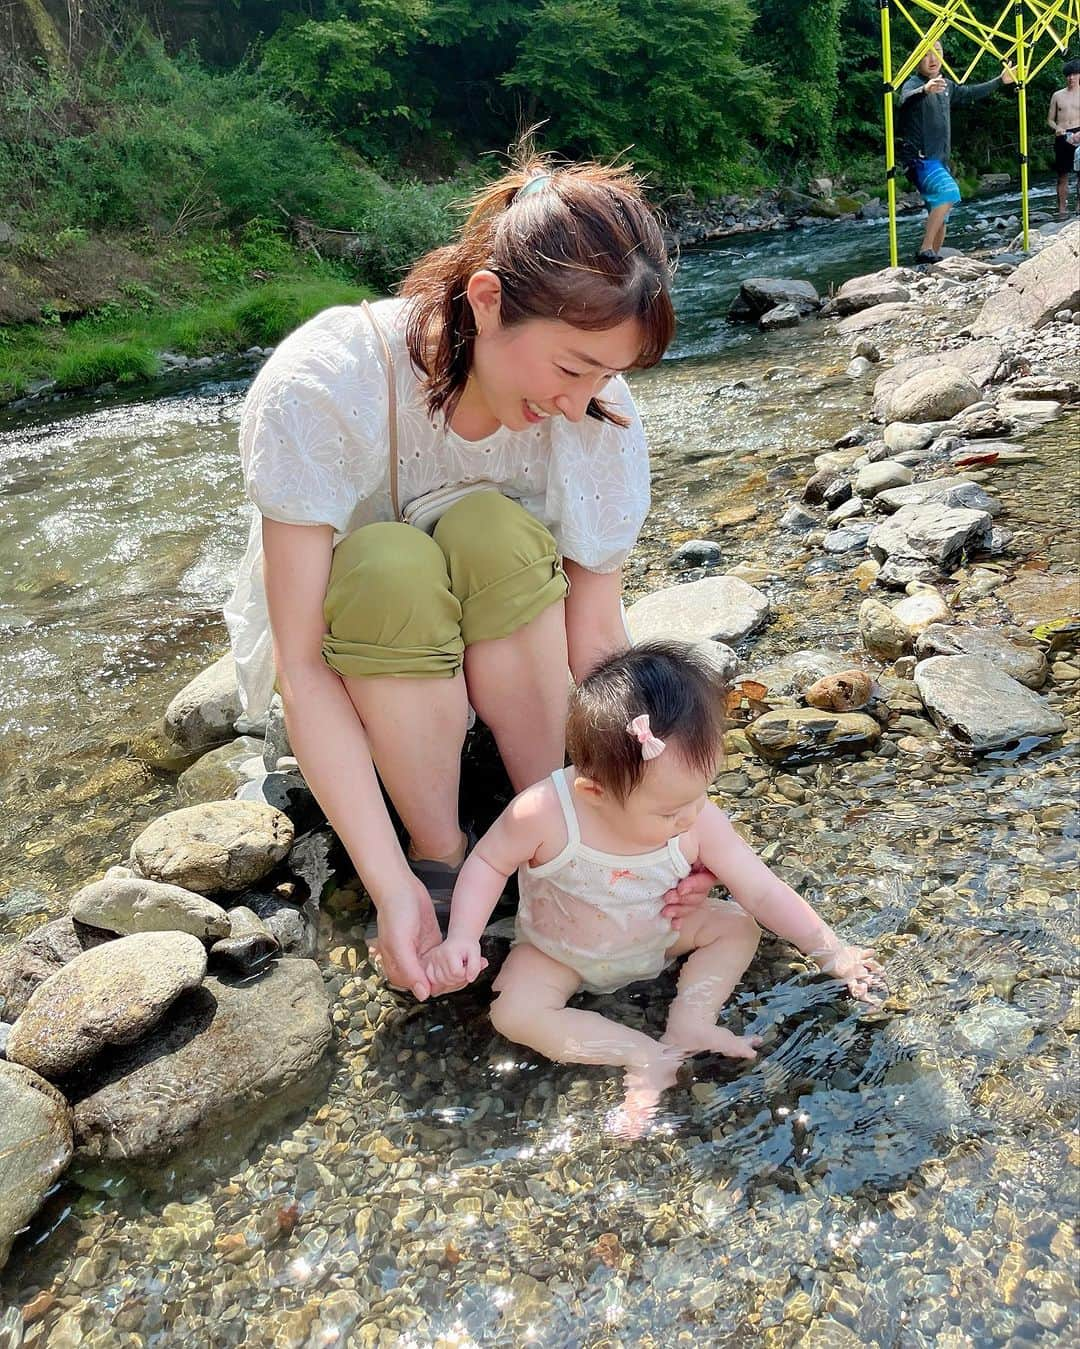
(131, 904)
(980, 705)
(37, 956)
(932, 396)
(758, 294)
(226, 1051)
(221, 845)
(202, 714)
(874, 316)
(1014, 653)
(722, 608)
(35, 1147)
(979, 360)
(110, 995)
(1038, 289)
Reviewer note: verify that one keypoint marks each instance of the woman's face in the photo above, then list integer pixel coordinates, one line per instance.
(542, 367)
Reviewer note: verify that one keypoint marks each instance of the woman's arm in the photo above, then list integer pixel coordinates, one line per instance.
(330, 744)
(594, 621)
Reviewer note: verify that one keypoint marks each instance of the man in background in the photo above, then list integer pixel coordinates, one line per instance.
(1064, 121)
(924, 125)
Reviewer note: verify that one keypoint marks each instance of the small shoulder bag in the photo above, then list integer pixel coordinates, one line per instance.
(423, 512)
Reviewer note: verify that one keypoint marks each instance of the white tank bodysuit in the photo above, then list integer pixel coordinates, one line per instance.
(599, 912)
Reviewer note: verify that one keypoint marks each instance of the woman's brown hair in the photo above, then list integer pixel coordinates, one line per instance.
(681, 690)
(582, 245)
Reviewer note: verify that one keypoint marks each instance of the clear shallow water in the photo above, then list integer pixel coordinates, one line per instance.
(899, 1177)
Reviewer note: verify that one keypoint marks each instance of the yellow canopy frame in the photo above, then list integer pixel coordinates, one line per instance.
(1026, 35)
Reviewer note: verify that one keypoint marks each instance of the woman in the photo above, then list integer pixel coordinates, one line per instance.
(503, 363)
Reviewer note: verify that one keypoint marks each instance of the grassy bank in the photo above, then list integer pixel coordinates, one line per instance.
(210, 295)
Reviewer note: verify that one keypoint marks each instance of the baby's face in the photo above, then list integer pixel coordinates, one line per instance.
(667, 800)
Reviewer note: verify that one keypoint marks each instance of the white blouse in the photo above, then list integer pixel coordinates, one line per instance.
(314, 448)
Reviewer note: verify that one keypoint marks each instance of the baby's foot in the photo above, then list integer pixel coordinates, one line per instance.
(704, 1039)
(644, 1087)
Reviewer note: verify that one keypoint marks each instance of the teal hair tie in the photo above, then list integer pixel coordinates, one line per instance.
(536, 184)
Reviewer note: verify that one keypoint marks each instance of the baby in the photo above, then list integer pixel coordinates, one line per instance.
(596, 846)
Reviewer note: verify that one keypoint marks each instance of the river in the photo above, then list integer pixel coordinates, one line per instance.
(901, 1177)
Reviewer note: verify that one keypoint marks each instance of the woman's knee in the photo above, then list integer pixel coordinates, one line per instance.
(503, 565)
(389, 608)
(395, 558)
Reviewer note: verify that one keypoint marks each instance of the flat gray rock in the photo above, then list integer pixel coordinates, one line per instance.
(874, 478)
(873, 317)
(125, 906)
(980, 705)
(939, 534)
(860, 292)
(226, 1051)
(1016, 654)
(202, 714)
(905, 437)
(943, 491)
(721, 608)
(35, 1147)
(220, 845)
(110, 995)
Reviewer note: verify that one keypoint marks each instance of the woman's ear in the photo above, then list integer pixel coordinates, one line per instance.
(484, 293)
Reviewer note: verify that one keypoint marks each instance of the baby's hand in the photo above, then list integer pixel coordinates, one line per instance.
(454, 961)
(856, 967)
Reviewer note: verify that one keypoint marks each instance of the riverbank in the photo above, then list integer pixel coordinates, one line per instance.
(119, 313)
(873, 1170)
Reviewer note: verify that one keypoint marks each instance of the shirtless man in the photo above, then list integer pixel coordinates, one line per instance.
(1064, 121)
(924, 125)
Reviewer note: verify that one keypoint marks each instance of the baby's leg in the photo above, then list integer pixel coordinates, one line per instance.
(531, 1009)
(723, 940)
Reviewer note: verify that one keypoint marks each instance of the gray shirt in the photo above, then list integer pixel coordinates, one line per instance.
(924, 121)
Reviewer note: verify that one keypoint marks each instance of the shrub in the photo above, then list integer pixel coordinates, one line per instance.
(123, 362)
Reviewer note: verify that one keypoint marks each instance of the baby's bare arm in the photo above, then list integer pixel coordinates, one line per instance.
(513, 839)
(775, 904)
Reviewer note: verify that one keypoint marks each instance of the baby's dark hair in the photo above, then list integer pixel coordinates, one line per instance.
(679, 688)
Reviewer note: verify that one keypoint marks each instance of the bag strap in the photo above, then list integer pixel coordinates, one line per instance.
(391, 402)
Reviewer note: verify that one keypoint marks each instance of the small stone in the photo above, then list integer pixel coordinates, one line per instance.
(696, 553)
(136, 905)
(202, 714)
(797, 521)
(800, 732)
(879, 477)
(722, 608)
(249, 945)
(849, 691)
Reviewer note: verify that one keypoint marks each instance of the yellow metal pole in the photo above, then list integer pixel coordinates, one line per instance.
(1021, 72)
(890, 138)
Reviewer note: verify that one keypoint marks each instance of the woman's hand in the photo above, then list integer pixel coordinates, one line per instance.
(408, 929)
(856, 967)
(455, 961)
(688, 896)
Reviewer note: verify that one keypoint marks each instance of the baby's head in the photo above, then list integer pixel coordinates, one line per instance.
(645, 734)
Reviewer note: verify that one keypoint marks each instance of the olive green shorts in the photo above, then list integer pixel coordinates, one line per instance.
(402, 602)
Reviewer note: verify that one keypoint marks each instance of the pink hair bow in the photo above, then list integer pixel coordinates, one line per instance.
(639, 729)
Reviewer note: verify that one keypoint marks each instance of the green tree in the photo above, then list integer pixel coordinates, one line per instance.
(806, 35)
(665, 80)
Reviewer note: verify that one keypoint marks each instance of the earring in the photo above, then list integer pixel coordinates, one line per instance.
(479, 329)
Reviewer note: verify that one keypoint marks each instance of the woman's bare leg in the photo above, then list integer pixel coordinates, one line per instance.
(519, 686)
(416, 728)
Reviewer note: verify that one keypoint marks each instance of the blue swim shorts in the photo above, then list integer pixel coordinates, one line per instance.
(934, 181)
